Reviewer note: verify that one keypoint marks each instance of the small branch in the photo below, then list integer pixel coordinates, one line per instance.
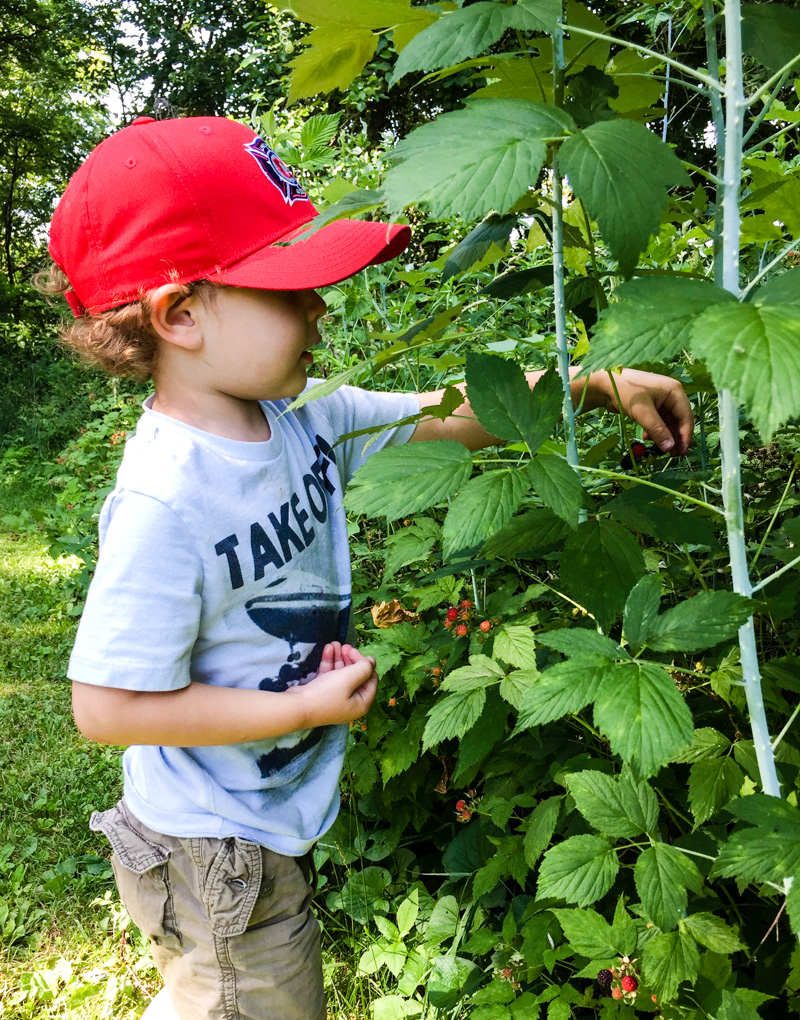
(786, 728)
(769, 930)
(759, 92)
(692, 72)
(778, 508)
(652, 485)
(770, 265)
(766, 141)
(776, 575)
(704, 173)
(763, 113)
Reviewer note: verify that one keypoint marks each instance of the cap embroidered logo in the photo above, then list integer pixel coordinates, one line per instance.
(275, 170)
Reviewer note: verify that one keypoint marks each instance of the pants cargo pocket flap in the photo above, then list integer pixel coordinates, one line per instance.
(135, 851)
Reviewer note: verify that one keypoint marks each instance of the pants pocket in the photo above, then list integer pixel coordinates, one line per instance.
(141, 870)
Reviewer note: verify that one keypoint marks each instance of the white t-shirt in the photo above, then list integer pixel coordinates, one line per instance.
(227, 563)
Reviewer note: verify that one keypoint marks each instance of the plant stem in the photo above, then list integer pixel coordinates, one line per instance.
(777, 574)
(770, 265)
(662, 488)
(728, 411)
(662, 59)
(558, 263)
(786, 728)
(759, 92)
(767, 107)
(778, 509)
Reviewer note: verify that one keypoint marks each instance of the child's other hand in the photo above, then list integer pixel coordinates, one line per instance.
(344, 687)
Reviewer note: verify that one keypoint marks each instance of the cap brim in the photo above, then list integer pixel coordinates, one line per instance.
(328, 256)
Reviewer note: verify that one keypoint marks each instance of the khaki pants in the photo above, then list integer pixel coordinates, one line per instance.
(229, 921)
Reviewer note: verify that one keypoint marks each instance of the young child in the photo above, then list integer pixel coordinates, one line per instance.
(214, 642)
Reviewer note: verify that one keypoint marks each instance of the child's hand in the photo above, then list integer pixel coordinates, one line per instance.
(344, 687)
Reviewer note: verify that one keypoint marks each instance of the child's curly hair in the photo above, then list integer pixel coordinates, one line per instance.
(120, 341)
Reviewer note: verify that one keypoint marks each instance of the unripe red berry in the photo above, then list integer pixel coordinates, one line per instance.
(436, 671)
(616, 993)
(448, 624)
(629, 984)
(460, 805)
(452, 613)
(392, 702)
(465, 604)
(486, 626)
(638, 449)
(461, 630)
(465, 614)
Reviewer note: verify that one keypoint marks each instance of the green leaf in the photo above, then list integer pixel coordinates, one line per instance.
(443, 921)
(619, 807)
(771, 34)
(494, 230)
(533, 530)
(479, 741)
(451, 978)
(504, 403)
(600, 564)
(334, 57)
(784, 287)
(452, 715)
(663, 875)
(711, 785)
(651, 321)
(482, 672)
(351, 204)
(588, 933)
(769, 851)
(712, 932)
(519, 282)
(707, 744)
(514, 644)
(558, 485)
(452, 38)
(402, 480)
(484, 506)
(580, 870)
(754, 351)
(363, 895)
(355, 13)
(669, 959)
(699, 622)
(641, 609)
(581, 641)
(535, 15)
(407, 913)
(319, 130)
(621, 171)
(625, 933)
(564, 689)
(541, 826)
(475, 161)
(394, 1007)
(734, 1008)
(640, 710)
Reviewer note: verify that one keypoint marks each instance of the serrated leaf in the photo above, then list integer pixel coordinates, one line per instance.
(450, 978)
(770, 850)
(600, 564)
(621, 171)
(711, 785)
(663, 875)
(482, 507)
(588, 933)
(541, 826)
(334, 57)
(443, 921)
(535, 15)
(707, 744)
(504, 403)
(355, 13)
(403, 480)
(754, 351)
(407, 913)
(581, 641)
(481, 672)
(475, 161)
(494, 230)
(533, 530)
(350, 205)
(514, 686)
(651, 321)
(771, 34)
(319, 130)
(452, 715)
(638, 707)
(699, 622)
(452, 38)
(521, 281)
(580, 870)
(735, 1008)
(784, 287)
(564, 689)
(558, 485)
(515, 644)
(669, 959)
(712, 932)
(641, 609)
(479, 741)
(619, 807)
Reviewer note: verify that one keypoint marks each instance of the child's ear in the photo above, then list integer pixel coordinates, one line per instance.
(173, 317)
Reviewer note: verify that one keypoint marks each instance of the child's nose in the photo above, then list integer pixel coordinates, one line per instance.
(315, 304)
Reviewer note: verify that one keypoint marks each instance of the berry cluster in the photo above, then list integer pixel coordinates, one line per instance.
(461, 617)
(623, 980)
(117, 436)
(465, 808)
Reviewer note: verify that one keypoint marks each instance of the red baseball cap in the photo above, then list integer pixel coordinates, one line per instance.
(198, 198)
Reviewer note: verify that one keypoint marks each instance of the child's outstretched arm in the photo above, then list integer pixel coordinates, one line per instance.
(203, 715)
(656, 402)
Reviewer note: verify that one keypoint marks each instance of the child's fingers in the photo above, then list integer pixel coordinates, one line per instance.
(351, 655)
(328, 660)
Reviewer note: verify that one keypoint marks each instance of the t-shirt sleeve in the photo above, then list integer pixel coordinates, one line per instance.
(350, 409)
(142, 612)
